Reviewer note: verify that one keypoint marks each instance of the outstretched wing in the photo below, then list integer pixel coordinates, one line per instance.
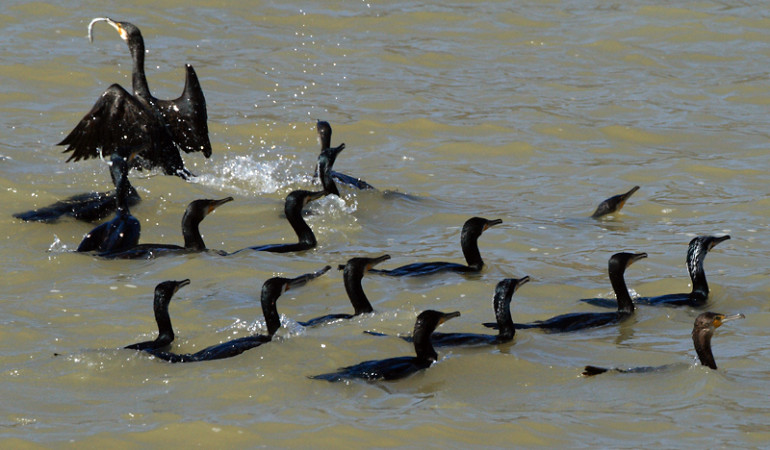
(186, 116)
(118, 123)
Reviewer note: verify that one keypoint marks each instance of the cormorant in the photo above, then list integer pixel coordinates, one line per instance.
(696, 255)
(295, 201)
(352, 274)
(271, 290)
(613, 204)
(703, 329)
(122, 232)
(326, 161)
(399, 367)
(163, 293)
(580, 321)
(502, 306)
(120, 122)
(196, 211)
(469, 237)
(87, 207)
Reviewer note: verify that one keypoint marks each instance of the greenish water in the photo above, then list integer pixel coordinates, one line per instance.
(531, 112)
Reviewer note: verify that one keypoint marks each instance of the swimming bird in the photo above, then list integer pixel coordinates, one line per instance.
(120, 122)
(502, 306)
(271, 290)
(326, 161)
(196, 211)
(564, 323)
(703, 329)
(163, 293)
(122, 232)
(295, 201)
(613, 204)
(399, 367)
(469, 237)
(86, 207)
(697, 297)
(353, 272)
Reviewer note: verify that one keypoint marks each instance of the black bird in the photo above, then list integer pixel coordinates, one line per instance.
(469, 238)
(696, 255)
(703, 329)
(295, 201)
(196, 211)
(580, 321)
(502, 305)
(122, 232)
(326, 161)
(613, 204)
(352, 274)
(163, 293)
(87, 207)
(120, 122)
(399, 367)
(271, 290)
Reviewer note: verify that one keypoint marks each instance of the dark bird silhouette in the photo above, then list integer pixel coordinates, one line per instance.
(469, 238)
(163, 293)
(292, 208)
(271, 290)
(703, 329)
(580, 321)
(196, 211)
(502, 306)
(158, 129)
(613, 204)
(352, 274)
(696, 255)
(399, 367)
(86, 207)
(122, 232)
(326, 161)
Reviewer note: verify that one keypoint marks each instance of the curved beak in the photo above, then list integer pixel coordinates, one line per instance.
(721, 318)
(303, 279)
(376, 261)
(447, 316)
(717, 240)
(521, 281)
(637, 257)
(491, 223)
(114, 24)
(181, 284)
(217, 203)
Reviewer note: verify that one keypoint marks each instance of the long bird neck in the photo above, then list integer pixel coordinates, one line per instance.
(695, 258)
(503, 315)
(191, 233)
(422, 344)
(356, 293)
(165, 330)
(138, 77)
(470, 245)
(122, 186)
(701, 338)
(304, 233)
(325, 173)
(270, 311)
(625, 304)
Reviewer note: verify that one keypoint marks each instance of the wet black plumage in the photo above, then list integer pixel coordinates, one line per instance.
(156, 129)
(163, 293)
(399, 367)
(353, 272)
(271, 290)
(326, 160)
(702, 332)
(613, 204)
(195, 212)
(472, 230)
(122, 232)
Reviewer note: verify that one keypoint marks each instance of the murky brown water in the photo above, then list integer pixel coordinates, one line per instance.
(532, 113)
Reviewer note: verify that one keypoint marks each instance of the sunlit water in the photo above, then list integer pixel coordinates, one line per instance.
(528, 112)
